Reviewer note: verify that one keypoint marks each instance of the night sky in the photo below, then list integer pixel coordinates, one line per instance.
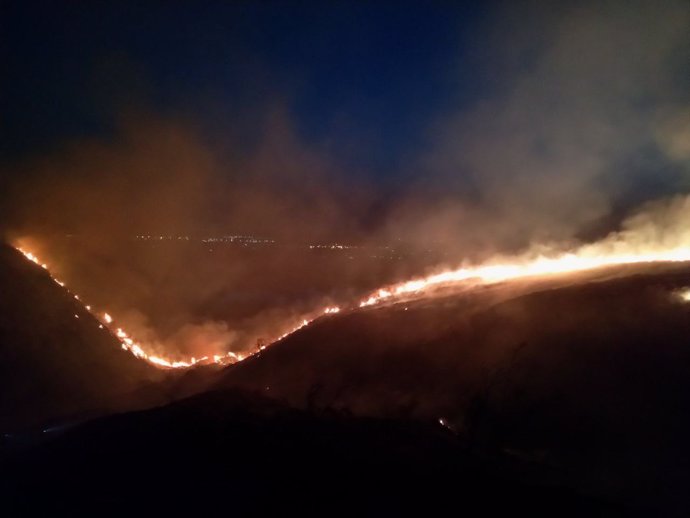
(480, 124)
(376, 74)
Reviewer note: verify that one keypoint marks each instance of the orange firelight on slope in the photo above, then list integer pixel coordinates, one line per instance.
(586, 258)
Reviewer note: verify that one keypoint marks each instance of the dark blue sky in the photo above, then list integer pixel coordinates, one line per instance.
(506, 123)
(372, 76)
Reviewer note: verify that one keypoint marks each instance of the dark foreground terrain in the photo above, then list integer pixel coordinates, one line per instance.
(239, 454)
(585, 376)
(568, 397)
(55, 360)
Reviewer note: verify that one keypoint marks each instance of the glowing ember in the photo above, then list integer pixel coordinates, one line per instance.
(31, 257)
(684, 294)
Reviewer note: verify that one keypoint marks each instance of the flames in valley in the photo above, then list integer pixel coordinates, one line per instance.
(609, 252)
(138, 349)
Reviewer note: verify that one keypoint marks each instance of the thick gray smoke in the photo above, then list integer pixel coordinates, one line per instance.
(585, 116)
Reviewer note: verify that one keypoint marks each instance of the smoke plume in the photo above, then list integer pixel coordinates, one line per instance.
(583, 117)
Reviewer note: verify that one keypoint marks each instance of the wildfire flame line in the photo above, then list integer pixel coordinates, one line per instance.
(138, 350)
(534, 267)
(587, 258)
(658, 232)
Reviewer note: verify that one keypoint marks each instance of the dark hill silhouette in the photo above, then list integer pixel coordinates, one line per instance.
(243, 454)
(589, 378)
(53, 365)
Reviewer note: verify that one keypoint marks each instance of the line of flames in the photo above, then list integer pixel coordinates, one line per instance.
(587, 258)
(128, 343)
(540, 266)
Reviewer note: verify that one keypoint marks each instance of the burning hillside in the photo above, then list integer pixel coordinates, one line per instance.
(139, 349)
(656, 235)
(585, 376)
(548, 369)
(659, 233)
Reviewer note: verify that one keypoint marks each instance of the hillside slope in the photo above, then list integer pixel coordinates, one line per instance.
(55, 361)
(589, 378)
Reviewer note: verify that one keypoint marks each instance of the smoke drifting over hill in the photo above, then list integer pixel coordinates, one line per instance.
(586, 117)
(160, 177)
